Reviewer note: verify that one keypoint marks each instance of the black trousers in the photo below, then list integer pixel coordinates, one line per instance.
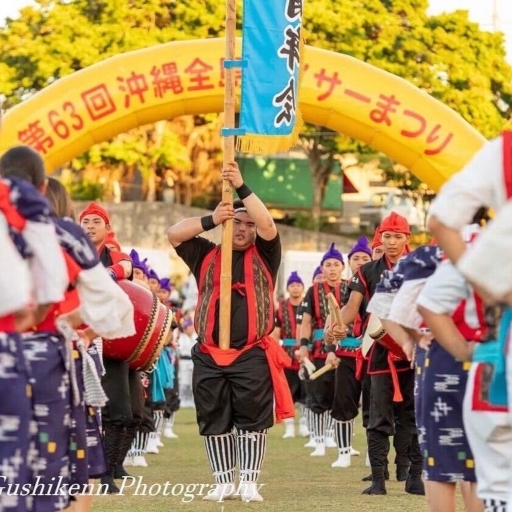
(385, 414)
(321, 390)
(347, 391)
(294, 383)
(123, 387)
(388, 418)
(240, 395)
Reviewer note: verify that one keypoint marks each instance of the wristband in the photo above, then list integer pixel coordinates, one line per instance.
(329, 348)
(207, 222)
(117, 271)
(304, 342)
(243, 191)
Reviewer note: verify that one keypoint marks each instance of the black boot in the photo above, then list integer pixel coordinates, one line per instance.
(111, 487)
(414, 483)
(368, 478)
(402, 472)
(112, 443)
(126, 443)
(378, 486)
(120, 472)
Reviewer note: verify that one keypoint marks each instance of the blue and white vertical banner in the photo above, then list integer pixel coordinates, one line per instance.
(272, 42)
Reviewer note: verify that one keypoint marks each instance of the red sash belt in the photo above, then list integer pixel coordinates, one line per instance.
(277, 360)
(397, 394)
(360, 359)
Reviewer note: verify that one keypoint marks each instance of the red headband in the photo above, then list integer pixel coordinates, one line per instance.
(395, 223)
(95, 209)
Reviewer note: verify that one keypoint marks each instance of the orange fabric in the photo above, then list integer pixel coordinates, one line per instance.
(397, 394)
(277, 360)
(395, 223)
(95, 209)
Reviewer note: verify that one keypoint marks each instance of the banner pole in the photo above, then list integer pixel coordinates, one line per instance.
(227, 189)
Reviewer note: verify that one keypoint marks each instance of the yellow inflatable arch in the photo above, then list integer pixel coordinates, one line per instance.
(339, 92)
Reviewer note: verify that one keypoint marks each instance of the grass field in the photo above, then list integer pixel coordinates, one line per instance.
(293, 481)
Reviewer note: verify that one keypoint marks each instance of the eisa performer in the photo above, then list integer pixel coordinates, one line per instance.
(391, 410)
(347, 357)
(377, 249)
(16, 315)
(125, 408)
(315, 310)
(59, 439)
(286, 331)
(235, 389)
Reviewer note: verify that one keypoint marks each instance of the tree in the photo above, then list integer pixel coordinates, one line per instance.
(447, 56)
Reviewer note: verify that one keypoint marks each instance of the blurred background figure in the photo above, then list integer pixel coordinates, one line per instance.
(186, 340)
(190, 293)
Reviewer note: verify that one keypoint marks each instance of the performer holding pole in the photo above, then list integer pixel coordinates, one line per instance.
(235, 388)
(234, 383)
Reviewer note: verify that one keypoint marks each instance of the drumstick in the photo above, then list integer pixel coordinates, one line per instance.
(334, 309)
(326, 368)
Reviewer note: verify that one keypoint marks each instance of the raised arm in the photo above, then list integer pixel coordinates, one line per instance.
(351, 309)
(265, 225)
(189, 228)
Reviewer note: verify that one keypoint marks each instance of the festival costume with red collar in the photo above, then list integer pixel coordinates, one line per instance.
(286, 322)
(347, 379)
(321, 390)
(391, 400)
(235, 388)
(487, 426)
(486, 263)
(20, 205)
(108, 312)
(124, 410)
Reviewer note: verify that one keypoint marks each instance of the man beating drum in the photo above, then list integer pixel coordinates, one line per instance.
(123, 386)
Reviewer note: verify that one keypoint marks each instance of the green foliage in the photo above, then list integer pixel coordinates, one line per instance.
(305, 221)
(447, 56)
(84, 190)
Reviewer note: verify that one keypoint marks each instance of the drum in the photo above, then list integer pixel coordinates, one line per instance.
(152, 324)
(382, 337)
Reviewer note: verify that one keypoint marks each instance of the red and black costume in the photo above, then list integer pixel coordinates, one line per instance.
(125, 407)
(286, 321)
(391, 404)
(320, 391)
(235, 388)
